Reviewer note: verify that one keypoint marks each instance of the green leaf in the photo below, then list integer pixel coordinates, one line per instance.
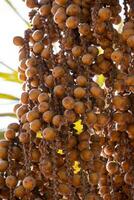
(10, 76)
(8, 96)
(7, 115)
(16, 11)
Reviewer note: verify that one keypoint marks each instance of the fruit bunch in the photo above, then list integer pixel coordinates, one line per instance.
(70, 45)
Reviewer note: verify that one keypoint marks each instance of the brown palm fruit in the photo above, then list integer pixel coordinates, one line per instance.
(30, 72)
(2, 182)
(108, 150)
(72, 22)
(105, 66)
(79, 107)
(62, 175)
(84, 29)
(72, 141)
(76, 180)
(64, 189)
(35, 125)
(73, 155)
(86, 155)
(129, 178)
(58, 72)
(60, 16)
(43, 97)
(21, 174)
(81, 81)
(11, 181)
(9, 134)
(118, 180)
(37, 35)
(19, 191)
(31, 62)
(4, 143)
(83, 145)
(3, 153)
(24, 98)
(18, 41)
(33, 94)
(91, 196)
(87, 59)
(105, 14)
(77, 51)
(14, 126)
(29, 183)
(70, 116)
(68, 103)
(59, 90)
(45, 54)
(24, 137)
(32, 115)
(127, 33)
(112, 167)
(79, 92)
(38, 47)
(130, 41)
(73, 10)
(130, 131)
(45, 10)
(16, 153)
(72, 64)
(91, 117)
(102, 119)
(46, 167)
(31, 3)
(21, 110)
(47, 116)
(49, 81)
(49, 134)
(121, 102)
(84, 136)
(93, 178)
(35, 155)
(96, 91)
(129, 81)
(36, 21)
(3, 165)
(93, 50)
(117, 56)
(61, 2)
(100, 27)
(57, 120)
(128, 25)
(43, 107)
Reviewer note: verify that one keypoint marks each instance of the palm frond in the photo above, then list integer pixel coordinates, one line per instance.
(13, 77)
(8, 96)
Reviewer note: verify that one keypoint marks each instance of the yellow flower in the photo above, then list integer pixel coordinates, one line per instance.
(76, 167)
(78, 126)
(39, 134)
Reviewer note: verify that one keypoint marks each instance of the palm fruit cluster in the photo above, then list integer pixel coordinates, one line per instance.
(72, 43)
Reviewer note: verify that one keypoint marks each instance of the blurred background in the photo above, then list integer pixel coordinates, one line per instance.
(13, 22)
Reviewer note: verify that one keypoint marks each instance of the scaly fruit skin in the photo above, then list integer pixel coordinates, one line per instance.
(75, 133)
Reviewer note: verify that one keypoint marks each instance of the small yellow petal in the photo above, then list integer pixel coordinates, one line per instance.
(39, 134)
(100, 80)
(76, 167)
(78, 126)
(60, 151)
